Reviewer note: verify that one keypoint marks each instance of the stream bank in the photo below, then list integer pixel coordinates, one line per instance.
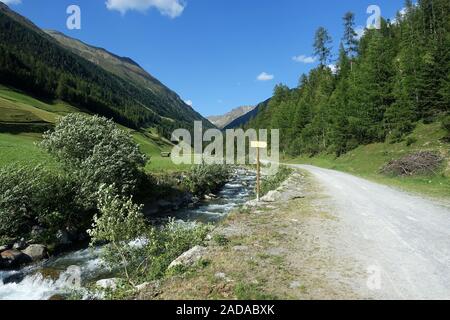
(274, 249)
(52, 277)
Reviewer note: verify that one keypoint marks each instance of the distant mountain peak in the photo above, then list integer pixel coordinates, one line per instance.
(223, 120)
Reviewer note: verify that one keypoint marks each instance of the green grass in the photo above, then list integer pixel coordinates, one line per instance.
(251, 291)
(152, 145)
(273, 182)
(21, 149)
(366, 161)
(21, 109)
(16, 106)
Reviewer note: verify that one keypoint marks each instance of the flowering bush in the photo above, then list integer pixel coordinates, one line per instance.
(96, 152)
(141, 252)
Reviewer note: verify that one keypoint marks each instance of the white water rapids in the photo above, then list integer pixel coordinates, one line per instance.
(49, 278)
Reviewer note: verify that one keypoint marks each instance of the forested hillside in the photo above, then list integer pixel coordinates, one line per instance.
(35, 63)
(383, 85)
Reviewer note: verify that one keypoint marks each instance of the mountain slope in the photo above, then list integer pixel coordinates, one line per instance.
(245, 118)
(125, 68)
(36, 63)
(223, 120)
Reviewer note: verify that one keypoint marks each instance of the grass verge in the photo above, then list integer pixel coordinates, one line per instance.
(366, 161)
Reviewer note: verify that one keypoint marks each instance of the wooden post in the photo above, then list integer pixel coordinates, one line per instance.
(258, 145)
(258, 175)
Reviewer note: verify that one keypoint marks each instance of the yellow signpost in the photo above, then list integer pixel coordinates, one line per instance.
(258, 145)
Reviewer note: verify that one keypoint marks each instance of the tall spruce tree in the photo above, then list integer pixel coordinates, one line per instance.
(322, 46)
(349, 39)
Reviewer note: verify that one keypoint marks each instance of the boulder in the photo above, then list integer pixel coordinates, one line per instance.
(49, 273)
(251, 204)
(222, 276)
(14, 278)
(189, 258)
(36, 252)
(271, 196)
(111, 283)
(19, 245)
(148, 290)
(13, 258)
(148, 285)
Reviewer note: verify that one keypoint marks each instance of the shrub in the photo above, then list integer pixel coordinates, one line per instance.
(410, 141)
(204, 179)
(273, 182)
(37, 197)
(142, 253)
(220, 239)
(119, 221)
(96, 152)
(446, 125)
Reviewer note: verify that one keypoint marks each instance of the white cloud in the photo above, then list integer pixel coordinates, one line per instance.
(265, 77)
(171, 8)
(360, 31)
(8, 2)
(189, 102)
(304, 59)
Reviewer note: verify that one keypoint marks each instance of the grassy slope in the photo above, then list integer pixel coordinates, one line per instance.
(16, 107)
(21, 149)
(365, 161)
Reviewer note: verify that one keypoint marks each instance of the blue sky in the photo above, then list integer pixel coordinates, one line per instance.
(211, 52)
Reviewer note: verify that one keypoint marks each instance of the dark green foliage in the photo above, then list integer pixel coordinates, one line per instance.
(446, 125)
(204, 179)
(92, 152)
(350, 35)
(38, 197)
(273, 182)
(220, 240)
(95, 151)
(322, 46)
(385, 82)
(410, 141)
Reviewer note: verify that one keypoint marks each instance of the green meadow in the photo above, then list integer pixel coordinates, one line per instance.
(27, 112)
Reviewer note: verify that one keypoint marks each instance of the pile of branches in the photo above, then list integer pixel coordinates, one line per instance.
(419, 163)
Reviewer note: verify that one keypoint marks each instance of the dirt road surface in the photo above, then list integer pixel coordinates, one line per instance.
(401, 240)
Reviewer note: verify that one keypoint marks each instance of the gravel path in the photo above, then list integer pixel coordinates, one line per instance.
(400, 241)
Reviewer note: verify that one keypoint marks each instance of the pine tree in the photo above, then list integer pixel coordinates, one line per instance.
(322, 46)
(349, 39)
